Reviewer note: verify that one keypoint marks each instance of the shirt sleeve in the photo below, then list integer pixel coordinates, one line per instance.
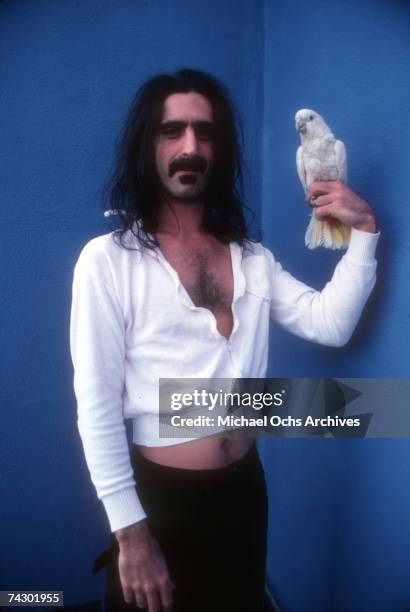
(97, 344)
(329, 316)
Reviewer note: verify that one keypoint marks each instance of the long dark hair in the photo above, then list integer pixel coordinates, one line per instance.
(133, 188)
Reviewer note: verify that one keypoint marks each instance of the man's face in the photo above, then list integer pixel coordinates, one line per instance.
(184, 147)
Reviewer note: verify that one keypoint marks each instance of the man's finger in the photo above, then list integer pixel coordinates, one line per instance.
(324, 211)
(140, 599)
(128, 595)
(318, 188)
(314, 193)
(166, 596)
(153, 602)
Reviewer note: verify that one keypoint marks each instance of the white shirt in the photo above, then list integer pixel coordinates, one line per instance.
(132, 322)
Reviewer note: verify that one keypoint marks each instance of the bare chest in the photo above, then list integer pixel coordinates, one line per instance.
(206, 274)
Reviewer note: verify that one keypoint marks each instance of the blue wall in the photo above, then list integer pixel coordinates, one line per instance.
(68, 69)
(339, 526)
(350, 61)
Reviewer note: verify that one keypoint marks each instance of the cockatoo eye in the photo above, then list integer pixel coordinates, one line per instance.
(311, 117)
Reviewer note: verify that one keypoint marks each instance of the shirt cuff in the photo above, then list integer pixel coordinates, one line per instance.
(123, 508)
(362, 246)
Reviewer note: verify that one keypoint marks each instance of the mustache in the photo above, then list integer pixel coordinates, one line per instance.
(193, 162)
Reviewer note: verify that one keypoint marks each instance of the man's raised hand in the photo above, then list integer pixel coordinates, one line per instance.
(335, 199)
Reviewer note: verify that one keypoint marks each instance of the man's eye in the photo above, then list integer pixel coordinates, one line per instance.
(205, 134)
(170, 132)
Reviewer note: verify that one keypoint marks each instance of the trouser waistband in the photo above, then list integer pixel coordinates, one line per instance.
(151, 469)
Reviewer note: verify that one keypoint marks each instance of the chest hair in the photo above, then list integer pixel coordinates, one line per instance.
(204, 284)
(207, 290)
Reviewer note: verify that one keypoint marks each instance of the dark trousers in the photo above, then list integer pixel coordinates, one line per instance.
(211, 526)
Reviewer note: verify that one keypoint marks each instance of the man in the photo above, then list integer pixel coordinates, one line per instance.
(182, 291)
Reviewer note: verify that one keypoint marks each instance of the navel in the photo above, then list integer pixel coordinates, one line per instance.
(226, 444)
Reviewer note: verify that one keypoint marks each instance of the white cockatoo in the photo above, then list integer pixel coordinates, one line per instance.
(321, 157)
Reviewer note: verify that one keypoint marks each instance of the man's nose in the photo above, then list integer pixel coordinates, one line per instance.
(190, 142)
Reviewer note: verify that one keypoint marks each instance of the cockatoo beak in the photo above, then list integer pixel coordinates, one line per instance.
(301, 125)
